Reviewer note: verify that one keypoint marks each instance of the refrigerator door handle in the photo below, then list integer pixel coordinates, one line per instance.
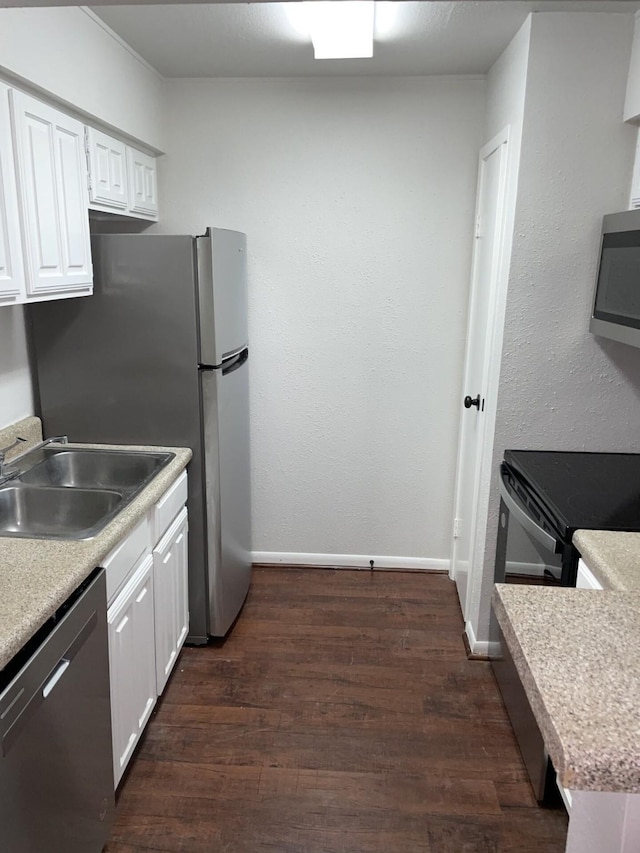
(231, 364)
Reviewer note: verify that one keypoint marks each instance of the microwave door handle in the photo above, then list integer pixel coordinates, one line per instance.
(526, 521)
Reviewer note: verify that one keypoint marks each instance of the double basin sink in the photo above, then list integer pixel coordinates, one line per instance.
(72, 493)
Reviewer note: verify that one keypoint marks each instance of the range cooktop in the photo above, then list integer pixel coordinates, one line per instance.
(597, 491)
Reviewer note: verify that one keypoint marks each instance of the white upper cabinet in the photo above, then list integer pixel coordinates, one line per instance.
(142, 176)
(52, 186)
(107, 171)
(11, 266)
(122, 179)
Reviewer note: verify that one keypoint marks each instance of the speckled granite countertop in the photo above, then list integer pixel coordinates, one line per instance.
(577, 653)
(38, 575)
(614, 558)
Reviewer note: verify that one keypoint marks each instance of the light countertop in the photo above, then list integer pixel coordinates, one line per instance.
(613, 557)
(38, 575)
(577, 653)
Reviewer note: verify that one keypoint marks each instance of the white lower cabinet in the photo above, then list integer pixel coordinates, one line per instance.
(132, 663)
(148, 616)
(171, 604)
(585, 578)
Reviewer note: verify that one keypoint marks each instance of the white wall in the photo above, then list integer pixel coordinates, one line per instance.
(15, 384)
(357, 196)
(70, 55)
(562, 388)
(505, 105)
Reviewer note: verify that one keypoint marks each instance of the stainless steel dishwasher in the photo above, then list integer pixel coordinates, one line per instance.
(56, 776)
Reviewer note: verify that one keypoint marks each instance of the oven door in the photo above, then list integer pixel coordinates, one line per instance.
(529, 550)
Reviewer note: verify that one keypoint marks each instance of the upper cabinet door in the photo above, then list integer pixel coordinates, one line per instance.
(52, 182)
(143, 192)
(107, 171)
(11, 266)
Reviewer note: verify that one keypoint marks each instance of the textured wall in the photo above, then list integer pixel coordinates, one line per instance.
(357, 196)
(69, 55)
(560, 387)
(15, 383)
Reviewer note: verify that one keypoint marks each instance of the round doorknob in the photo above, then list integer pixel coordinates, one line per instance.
(472, 401)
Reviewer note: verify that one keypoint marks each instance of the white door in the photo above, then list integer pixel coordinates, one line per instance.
(132, 663)
(171, 597)
(53, 189)
(474, 404)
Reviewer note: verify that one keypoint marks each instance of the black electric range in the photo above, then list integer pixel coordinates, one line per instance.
(596, 491)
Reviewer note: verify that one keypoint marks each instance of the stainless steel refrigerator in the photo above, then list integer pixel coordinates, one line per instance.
(159, 355)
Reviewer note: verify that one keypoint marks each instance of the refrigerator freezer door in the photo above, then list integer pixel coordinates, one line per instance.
(121, 366)
(225, 394)
(222, 295)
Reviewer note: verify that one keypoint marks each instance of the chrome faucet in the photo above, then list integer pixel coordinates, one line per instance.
(5, 450)
(7, 473)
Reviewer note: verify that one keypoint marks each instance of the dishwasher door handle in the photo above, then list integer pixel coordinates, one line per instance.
(21, 712)
(58, 672)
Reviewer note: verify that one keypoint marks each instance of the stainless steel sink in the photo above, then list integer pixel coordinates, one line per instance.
(57, 492)
(95, 469)
(55, 513)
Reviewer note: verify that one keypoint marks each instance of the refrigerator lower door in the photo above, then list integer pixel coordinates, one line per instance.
(225, 396)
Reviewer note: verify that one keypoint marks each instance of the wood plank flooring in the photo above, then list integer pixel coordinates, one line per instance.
(340, 716)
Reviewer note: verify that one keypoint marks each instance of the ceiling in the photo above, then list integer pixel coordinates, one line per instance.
(260, 39)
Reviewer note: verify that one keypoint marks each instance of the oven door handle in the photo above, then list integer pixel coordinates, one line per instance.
(526, 521)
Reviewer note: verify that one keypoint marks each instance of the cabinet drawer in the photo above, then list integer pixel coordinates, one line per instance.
(120, 562)
(168, 507)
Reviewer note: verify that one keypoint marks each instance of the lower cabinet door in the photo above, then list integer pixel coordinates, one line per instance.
(132, 663)
(170, 565)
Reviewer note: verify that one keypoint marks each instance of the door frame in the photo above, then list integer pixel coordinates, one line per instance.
(492, 357)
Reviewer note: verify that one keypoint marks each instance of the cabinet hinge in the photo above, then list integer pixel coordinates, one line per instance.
(456, 528)
(478, 228)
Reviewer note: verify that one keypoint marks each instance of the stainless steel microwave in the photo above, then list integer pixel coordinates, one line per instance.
(616, 305)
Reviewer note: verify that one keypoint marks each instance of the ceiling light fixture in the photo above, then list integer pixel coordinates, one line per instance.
(340, 29)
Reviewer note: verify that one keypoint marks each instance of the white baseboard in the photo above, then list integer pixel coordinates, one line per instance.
(485, 648)
(351, 561)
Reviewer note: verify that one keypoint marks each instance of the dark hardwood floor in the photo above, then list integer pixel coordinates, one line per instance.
(340, 716)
